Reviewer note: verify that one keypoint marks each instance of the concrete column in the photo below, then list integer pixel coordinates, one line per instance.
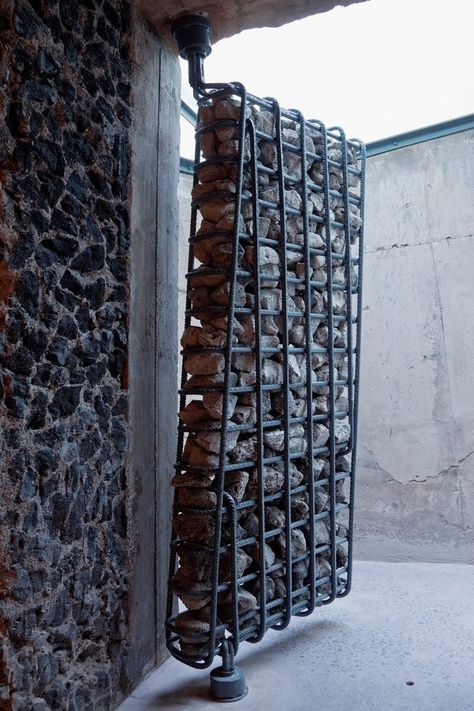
(153, 338)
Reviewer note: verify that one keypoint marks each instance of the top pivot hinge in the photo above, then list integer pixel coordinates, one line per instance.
(193, 35)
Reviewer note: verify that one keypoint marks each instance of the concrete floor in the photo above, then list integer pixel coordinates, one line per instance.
(402, 622)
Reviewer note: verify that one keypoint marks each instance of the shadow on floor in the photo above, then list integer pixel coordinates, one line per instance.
(252, 657)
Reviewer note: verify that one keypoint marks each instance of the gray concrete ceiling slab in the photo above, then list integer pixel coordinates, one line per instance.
(228, 17)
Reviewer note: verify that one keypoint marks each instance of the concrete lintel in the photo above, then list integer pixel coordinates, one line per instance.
(232, 16)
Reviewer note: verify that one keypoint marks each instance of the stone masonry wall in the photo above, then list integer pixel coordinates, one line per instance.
(65, 70)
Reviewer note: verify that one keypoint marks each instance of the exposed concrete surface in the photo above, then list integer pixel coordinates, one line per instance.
(415, 492)
(232, 16)
(419, 194)
(153, 334)
(401, 623)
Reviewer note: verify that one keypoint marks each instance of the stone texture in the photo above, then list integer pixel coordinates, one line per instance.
(65, 73)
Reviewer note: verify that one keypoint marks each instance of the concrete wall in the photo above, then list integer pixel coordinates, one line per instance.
(415, 474)
(153, 335)
(415, 490)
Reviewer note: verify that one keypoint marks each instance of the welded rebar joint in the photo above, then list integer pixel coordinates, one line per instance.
(193, 35)
(227, 681)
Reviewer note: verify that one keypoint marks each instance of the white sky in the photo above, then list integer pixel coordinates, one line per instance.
(377, 68)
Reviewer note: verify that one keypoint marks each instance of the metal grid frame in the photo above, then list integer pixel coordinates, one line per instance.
(277, 613)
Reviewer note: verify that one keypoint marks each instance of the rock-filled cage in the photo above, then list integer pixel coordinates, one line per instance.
(264, 482)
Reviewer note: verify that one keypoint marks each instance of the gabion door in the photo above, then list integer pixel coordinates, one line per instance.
(264, 483)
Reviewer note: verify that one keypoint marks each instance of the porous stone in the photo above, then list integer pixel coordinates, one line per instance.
(298, 543)
(193, 413)
(235, 484)
(192, 480)
(193, 628)
(269, 588)
(209, 381)
(274, 517)
(211, 441)
(246, 601)
(204, 363)
(197, 497)
(244, 451)
(66, 78)
(242, 562)
(194, 527)
(213, 404)
(272, 481)
(197, 456)
(196, 564)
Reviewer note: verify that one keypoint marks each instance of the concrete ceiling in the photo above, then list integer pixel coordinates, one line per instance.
(228, 17)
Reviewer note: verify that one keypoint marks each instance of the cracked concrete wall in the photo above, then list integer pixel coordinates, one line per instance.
(415, 490)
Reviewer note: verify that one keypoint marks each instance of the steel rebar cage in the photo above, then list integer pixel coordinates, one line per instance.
(247, 557)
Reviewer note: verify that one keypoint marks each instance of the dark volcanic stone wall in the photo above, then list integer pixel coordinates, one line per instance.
(64, 177)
